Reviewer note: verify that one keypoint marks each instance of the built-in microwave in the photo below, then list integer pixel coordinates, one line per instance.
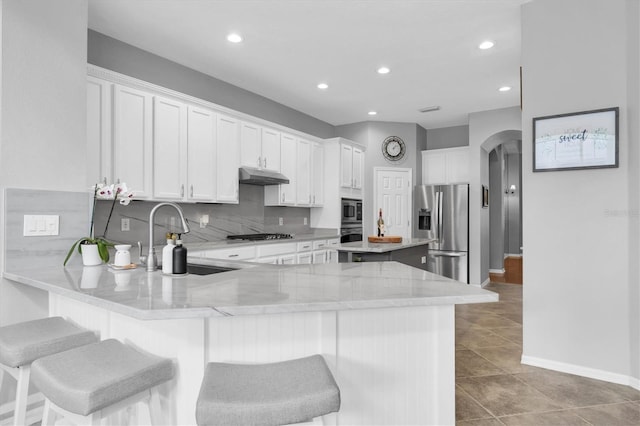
(351, 211)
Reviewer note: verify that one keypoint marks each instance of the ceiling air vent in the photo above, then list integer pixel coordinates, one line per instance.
(430, 108)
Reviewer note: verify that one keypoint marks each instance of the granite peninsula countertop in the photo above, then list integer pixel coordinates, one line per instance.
(322, 234)
(367, 247)
(254, 289)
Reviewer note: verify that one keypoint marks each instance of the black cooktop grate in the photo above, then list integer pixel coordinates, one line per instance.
(260, 237)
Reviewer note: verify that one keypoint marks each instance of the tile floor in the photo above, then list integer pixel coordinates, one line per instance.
(493, 388)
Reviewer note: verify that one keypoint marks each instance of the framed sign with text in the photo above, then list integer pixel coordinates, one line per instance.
(575, 141)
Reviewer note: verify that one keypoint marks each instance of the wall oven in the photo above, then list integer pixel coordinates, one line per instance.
(351, 227)
(351, 211)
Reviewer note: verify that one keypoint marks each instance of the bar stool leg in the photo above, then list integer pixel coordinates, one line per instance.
(22, 393)
(155, 409)
(48, 415)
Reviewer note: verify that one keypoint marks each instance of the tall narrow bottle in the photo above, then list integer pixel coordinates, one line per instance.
(380, 224)
(179, 258)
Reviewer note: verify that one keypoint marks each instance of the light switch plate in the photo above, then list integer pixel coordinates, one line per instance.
(41, 225)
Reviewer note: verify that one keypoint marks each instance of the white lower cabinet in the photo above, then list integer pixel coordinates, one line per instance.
(280, 254)
(319, 256)
(305, 258)
(237, 253)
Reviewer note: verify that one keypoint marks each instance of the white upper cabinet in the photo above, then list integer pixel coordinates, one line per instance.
(346, 166)
(317, 181)
(358, 167)
(270, 149)
(99, 159)
(227, 159)
(259, 147)
(201, 136)
(169, 149)
(132, 142)
(284, 194)
(303, 174)
(445, 166)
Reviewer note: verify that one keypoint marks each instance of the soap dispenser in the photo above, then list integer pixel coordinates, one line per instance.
(179, 258)
(167, 255)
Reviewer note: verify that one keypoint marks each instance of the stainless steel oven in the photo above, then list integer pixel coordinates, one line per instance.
(351, 211)
(352, 232)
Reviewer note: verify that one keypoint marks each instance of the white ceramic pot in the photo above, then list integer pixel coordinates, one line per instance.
(90, 255)
(122, 257)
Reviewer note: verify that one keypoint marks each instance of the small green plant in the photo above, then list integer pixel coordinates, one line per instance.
(101, 191)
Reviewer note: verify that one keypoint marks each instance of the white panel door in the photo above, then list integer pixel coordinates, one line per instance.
(393, 196)
(98, 131)
(169, 149)
(250, 143)
(270, 149)
(228, 159)
(132, 125)
(201, 175)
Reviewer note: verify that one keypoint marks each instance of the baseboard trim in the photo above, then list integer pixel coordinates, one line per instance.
(578, 370)
(497, 271)
(484, 283)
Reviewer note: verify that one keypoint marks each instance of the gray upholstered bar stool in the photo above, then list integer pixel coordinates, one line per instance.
(267, 394)
(93, 382)
(22, 343)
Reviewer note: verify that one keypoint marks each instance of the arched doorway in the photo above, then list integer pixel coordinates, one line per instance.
(504, 242)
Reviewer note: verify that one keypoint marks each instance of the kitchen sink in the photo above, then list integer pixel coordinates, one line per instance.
(207, 269)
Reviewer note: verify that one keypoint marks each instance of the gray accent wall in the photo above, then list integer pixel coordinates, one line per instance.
(448, 137)
(115, 55)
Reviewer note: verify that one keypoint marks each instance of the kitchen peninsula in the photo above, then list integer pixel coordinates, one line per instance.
(386, 329)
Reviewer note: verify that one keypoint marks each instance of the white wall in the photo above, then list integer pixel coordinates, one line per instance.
(577, 254)
(43, 113)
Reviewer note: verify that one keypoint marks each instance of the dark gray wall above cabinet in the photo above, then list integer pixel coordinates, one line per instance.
(112, 54)
(448, 137)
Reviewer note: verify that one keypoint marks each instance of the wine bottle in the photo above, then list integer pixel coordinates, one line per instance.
(380, 224)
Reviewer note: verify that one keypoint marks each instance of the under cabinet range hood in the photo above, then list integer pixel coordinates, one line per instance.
(253, 176)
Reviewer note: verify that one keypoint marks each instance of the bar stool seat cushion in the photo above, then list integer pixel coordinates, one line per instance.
(22, 343)
(92, 377)
(268, 394)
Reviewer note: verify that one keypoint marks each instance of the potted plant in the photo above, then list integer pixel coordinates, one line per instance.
(95, 250)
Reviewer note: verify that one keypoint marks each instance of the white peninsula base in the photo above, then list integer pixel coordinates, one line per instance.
(393, 365)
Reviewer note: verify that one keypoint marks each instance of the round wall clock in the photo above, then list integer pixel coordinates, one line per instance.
(393, 148)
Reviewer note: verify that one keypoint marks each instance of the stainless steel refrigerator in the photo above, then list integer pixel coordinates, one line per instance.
(443, 214)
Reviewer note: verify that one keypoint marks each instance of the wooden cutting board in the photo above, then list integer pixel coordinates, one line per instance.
(385, 239)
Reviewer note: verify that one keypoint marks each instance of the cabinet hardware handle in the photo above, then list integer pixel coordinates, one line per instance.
(118, 180)
(233, 255)
(259, 161)
(314, 199)
(182, 190)
(265, 162)
(283, 197)
(191, 191)
(104, 180)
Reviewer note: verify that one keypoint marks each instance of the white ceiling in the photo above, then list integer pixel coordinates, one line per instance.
(292, 45)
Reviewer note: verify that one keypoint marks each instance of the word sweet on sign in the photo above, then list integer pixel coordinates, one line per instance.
(581, 140)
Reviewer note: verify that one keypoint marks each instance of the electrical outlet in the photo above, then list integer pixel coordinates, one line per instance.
(280, 221)
(423, 259)
(306, 221)
(204, 220)
(125, 224)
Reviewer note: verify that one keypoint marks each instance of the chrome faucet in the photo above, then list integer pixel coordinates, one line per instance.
(151, 257)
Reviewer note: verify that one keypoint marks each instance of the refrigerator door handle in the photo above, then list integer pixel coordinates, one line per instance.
(440, 225)
(444, 254)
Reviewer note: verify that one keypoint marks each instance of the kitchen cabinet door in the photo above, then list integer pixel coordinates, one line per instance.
(305, 258)
(98, 131)
(346, 166)
(317, 183)
(201, 136)
(445, 166)
(303, 173)
(169, 149)
(250, 145)
(285, 193)
(132, 143)
(319, 257)
(270, 149)
(227, 159)
(357, 167)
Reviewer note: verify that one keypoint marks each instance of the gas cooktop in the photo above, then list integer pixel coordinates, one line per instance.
(259, 237)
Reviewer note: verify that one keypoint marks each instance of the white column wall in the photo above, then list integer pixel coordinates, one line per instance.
(577, 253)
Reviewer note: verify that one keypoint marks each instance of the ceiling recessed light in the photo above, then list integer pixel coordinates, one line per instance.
(234, 38)
(372, 113)
(504, 89)
(485, 45)
(384, 70)
(323, 86)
